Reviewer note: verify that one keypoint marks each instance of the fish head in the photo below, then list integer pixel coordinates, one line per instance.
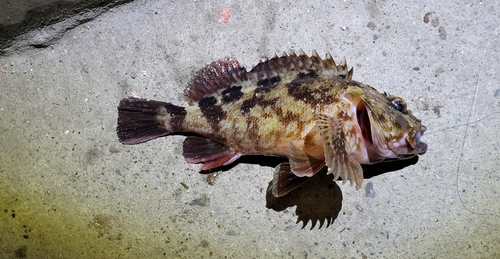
(391, 130)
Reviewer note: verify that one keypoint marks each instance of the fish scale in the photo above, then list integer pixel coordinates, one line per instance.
(301, 107)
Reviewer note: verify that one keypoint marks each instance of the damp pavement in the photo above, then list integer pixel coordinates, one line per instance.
(69, 189)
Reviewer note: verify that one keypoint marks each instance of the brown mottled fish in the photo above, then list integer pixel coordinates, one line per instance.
(304, 108)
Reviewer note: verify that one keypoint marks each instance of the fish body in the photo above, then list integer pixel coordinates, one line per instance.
(304, 108)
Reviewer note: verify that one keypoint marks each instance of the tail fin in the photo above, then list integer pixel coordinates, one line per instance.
(141, 120)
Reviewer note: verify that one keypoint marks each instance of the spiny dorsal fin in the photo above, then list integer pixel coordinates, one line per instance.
(225, 73)
(293, 64)
(213, 77)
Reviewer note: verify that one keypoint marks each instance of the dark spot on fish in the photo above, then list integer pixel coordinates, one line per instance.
(258, 97)
(207, 102)
(232, 94)
(269, 82)
(382, 119)
(497, 92)
(264, 86)
(266, 102)
(177, 116)
(212, 112)
(399, 120)
(287, 117)
(298, 90)
(248, 105)
(311, 74)
(252, 129)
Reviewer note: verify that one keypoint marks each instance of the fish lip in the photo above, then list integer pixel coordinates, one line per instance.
(419, 146)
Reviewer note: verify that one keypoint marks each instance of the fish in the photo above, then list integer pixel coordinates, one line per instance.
(300, 107)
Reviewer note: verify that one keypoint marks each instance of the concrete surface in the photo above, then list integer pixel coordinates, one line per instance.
(68, 189)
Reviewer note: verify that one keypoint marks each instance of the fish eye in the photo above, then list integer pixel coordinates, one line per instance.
(398, 104)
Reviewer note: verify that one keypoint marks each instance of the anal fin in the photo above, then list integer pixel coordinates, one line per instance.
(284, 181)
(212, 154)
(337, 158)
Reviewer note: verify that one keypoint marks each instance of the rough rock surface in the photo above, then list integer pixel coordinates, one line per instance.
(37, 23)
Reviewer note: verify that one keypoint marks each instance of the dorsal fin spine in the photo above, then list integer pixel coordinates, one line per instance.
(316, 61)
(224, 73)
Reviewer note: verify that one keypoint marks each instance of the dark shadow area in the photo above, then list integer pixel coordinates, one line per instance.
(370, 171)
(319, 200)
(268, 161)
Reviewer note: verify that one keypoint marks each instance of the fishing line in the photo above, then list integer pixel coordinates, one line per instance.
(474, 97)
(432, 131)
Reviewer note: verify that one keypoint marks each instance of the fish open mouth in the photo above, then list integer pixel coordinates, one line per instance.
(364, 121)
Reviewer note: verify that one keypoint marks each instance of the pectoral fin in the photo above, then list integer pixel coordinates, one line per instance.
(337, 158)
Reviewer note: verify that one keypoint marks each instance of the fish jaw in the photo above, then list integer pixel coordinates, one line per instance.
(410, 145)
(398, 144)
(397, 140)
